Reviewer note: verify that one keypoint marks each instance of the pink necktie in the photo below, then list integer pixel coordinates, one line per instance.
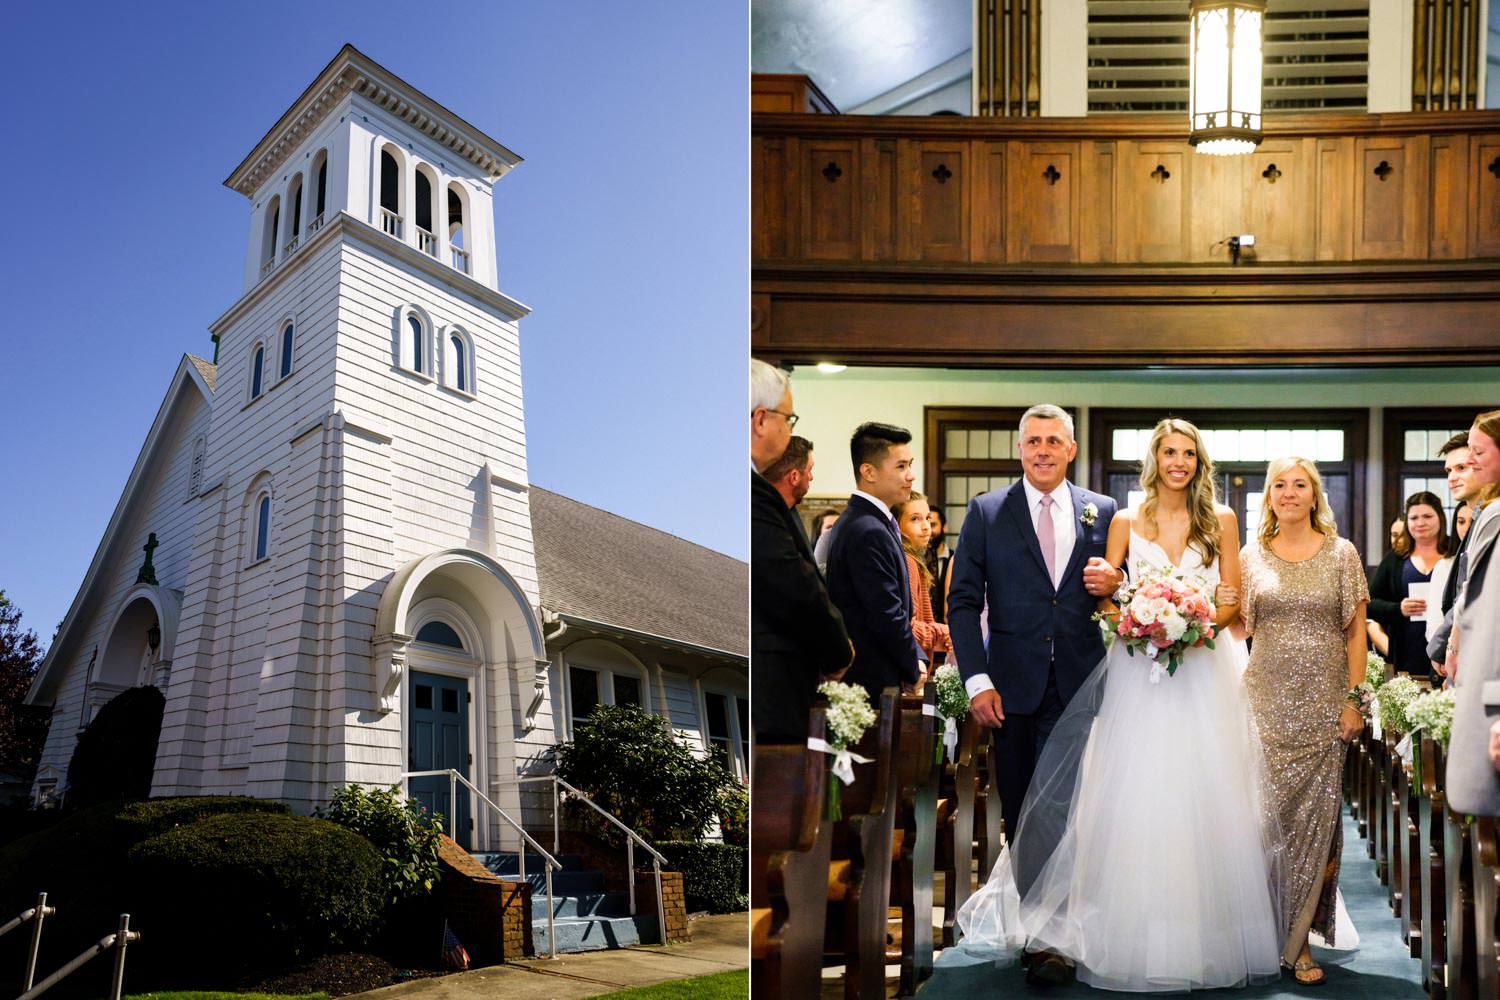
(1046, 536)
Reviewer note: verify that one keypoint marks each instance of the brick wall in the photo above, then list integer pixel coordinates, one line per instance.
(490, 915)
(674, 900)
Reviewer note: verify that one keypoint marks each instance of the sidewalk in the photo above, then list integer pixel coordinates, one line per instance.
(719, 944)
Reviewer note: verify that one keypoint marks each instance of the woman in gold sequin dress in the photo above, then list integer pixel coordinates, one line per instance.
(1303, 602)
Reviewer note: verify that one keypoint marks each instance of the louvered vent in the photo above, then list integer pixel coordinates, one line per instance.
(1316, 55)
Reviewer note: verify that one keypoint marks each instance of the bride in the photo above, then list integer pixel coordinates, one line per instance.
(1142, 854)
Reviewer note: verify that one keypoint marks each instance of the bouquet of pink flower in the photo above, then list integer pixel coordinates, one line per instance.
(1163, 614)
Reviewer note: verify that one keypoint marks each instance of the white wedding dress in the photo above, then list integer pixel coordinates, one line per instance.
(1142, 853)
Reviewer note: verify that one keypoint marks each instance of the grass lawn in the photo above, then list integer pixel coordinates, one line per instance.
(223, 996)
(722, 986)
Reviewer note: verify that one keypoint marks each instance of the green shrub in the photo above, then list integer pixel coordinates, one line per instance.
(633, 765)
(404, 835)
(259, 888)
(82, 862)
(734, 815)
(713, 875)
(116, 754)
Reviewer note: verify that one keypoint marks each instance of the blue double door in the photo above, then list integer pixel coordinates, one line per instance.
(437, 739)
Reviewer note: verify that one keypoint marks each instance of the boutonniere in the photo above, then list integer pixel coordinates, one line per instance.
(1090, 514)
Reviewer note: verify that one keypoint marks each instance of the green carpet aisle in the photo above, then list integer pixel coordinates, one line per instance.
(1383, 969)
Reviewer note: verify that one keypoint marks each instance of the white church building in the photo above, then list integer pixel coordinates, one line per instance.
(328, 556)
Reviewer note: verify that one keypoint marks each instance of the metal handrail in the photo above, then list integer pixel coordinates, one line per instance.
(548, 861)
(633, 838)
(41, 911)
(117, 940)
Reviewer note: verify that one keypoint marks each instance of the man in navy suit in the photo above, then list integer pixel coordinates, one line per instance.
(866, 567)
(1025, 549)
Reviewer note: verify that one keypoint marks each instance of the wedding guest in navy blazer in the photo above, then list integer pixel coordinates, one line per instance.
(796, 634)
(866, 567)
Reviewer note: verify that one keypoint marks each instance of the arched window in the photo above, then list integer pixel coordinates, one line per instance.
(390, 194)
(294, 197)
(422, 211)
(440, 633)
(457, 248)
(262, 526)
(286, 351)
(458, 360)
(320, 191)
(268, 241)
(257, 370)
(413, 344)
(417, 345)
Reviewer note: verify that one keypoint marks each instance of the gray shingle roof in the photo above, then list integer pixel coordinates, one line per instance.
(205, 368)
(604, 568)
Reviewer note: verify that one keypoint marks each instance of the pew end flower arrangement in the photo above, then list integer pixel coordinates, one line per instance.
(952, 706)
(849, 716)
(1162, 614)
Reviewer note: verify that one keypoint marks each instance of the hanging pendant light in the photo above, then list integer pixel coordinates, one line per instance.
(1225, 75)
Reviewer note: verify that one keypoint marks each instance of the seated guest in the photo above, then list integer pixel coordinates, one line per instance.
(792, 473)
(916, 532)
(866, 567)
(1399, 591)
(937, 558)
(796, 634)
(822, 521)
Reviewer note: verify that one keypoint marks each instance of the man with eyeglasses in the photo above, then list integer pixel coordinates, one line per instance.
(797, 636)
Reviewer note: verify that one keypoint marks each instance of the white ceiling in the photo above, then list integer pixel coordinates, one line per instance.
(857, 50)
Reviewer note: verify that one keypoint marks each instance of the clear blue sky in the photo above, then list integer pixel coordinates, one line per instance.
(625, 230)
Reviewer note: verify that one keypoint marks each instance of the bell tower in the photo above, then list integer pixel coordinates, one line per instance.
(365, 474)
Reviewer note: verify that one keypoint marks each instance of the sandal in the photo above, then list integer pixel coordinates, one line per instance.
(1308, 968)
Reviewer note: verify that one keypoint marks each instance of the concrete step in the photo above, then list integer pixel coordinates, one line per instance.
(508, 862)
(575, 934)
(590, 904)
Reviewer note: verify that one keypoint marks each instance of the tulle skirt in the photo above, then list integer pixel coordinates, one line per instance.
(1142, 853)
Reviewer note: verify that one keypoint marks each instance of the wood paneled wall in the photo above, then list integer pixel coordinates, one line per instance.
(1319, 188)
(1047, 242)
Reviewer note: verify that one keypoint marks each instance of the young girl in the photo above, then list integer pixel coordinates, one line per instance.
(916, 531)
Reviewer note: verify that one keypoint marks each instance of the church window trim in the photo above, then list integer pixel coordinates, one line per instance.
(414, 342)
(257, 379)
(425, 208)
(736, 739)
(442, 611)
(259, 521)
(286, 348)
(458, 362)
(608, 661)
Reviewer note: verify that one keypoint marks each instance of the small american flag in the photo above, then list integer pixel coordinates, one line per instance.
(453, 950)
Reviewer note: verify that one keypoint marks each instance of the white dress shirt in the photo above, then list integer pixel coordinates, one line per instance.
(1066, 536)
(1062, 523)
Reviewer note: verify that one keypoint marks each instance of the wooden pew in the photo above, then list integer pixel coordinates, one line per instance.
(1432, 910)
(1394, 832)
(858, 902)
(1380, 774)
(1409, 850)
(789, 848)
(1484, 854)
(973, 747)
(1462, 965)
(916, 826)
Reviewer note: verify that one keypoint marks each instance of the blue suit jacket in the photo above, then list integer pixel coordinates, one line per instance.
(867, 581)
(1031, 622)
